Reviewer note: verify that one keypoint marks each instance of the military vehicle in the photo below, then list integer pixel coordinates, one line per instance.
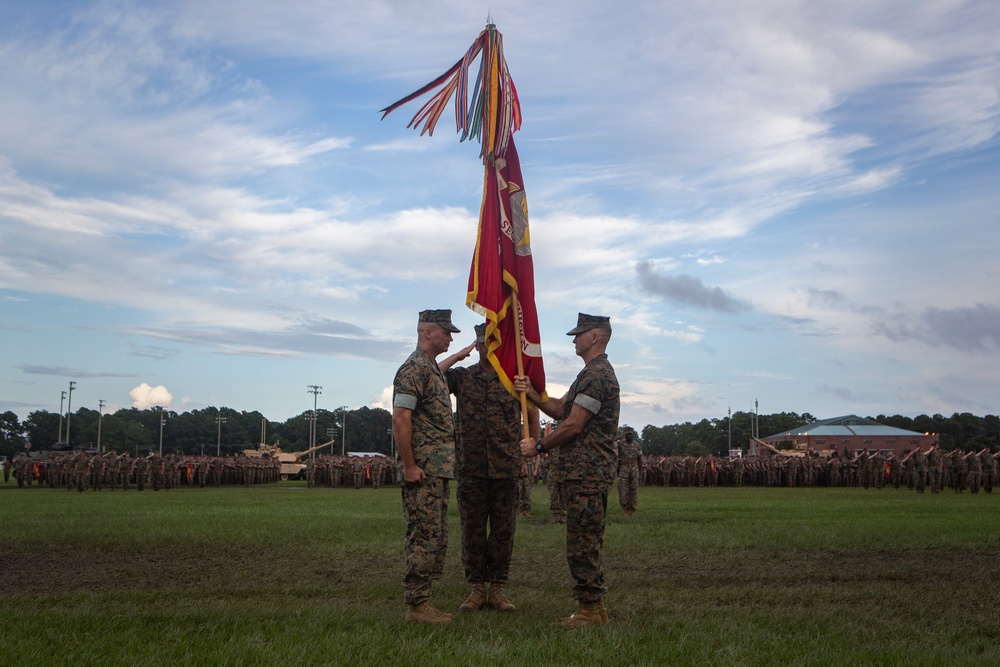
(799, 451)
(292, 466)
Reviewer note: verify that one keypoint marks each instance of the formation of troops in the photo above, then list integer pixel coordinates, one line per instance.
(919, 470)
(357, 471)
(83, 471)
(934, 470)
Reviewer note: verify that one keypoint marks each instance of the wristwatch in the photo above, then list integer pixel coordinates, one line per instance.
(538, 446)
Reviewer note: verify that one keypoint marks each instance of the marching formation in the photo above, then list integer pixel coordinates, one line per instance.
(357, 471)
(83, 471)
(917, 470)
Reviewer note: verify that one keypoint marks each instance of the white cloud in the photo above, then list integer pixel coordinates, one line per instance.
(145, 396)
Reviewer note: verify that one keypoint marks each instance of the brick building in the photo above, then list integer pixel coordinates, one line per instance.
(852, 433)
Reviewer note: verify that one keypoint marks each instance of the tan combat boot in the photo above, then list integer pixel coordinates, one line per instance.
(588, 613)
(603, 611)
(426, 613)
(498, 600)
(476, 599)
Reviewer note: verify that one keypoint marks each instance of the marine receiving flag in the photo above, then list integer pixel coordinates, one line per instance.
(501, 281)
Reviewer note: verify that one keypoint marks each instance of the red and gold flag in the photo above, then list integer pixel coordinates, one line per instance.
(503, 273)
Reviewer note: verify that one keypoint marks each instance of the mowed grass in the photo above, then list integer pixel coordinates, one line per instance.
(283, 575)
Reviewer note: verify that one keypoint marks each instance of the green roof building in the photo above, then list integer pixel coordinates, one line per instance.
(853, 434)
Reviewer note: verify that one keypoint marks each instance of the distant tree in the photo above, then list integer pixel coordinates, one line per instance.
(11, 434)
(694, 448)
(42, 429)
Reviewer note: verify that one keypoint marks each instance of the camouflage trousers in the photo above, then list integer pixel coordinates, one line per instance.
(557, 506)
(586, 506)
(930, 477)
(487, 508)
(524, 485)
(425, 510)
(628, 487)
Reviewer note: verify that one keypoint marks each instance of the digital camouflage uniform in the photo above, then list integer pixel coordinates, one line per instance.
(524, 485)
(487, 464)
(419, 386)
(926, 467)
(587, 467)
(989, 470)
(553, 482)
(629, 456)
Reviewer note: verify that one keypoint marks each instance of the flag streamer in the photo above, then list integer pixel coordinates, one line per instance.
(491, 115)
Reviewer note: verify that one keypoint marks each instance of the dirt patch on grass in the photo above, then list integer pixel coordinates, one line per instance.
(855, 567)
(150, 568)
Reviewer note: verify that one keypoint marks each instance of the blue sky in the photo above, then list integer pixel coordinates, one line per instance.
(775, 200)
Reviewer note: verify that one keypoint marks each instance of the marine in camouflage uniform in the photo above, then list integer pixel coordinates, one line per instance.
(588, 415)
(989, 464)
(81, 470)
(922, 465)
(629, 464)
(19, 470)
(358, 468)
(155, 465)
(424, 431)
(487, 463)
(974, 466)
(738, 471)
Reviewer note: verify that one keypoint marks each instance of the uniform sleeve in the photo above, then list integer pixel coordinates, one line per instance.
(590, 393)
(407, 387)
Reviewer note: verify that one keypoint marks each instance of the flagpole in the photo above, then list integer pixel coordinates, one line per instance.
(520, 363)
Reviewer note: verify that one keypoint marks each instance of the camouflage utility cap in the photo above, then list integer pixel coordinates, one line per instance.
(442, 318)
(586, 322)
(480, 333)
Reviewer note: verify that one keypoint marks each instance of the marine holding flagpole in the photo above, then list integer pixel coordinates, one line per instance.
(588, 422)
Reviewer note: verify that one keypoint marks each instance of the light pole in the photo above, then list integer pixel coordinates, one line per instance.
(730, 431)
(392, 444)
(329, 437)
(100, 418)
(313, 389)
(163, 420)
(62, 399)
(69, 408)
(219, 421)
(343, 429)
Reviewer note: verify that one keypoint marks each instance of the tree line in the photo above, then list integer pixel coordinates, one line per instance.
(369, 430)
(196, 431)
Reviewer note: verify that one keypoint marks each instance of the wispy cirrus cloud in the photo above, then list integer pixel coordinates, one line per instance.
(65, 371)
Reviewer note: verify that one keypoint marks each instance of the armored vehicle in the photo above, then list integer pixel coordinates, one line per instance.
(292, 466)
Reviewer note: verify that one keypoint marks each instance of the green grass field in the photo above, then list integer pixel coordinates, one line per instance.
(283, 575)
